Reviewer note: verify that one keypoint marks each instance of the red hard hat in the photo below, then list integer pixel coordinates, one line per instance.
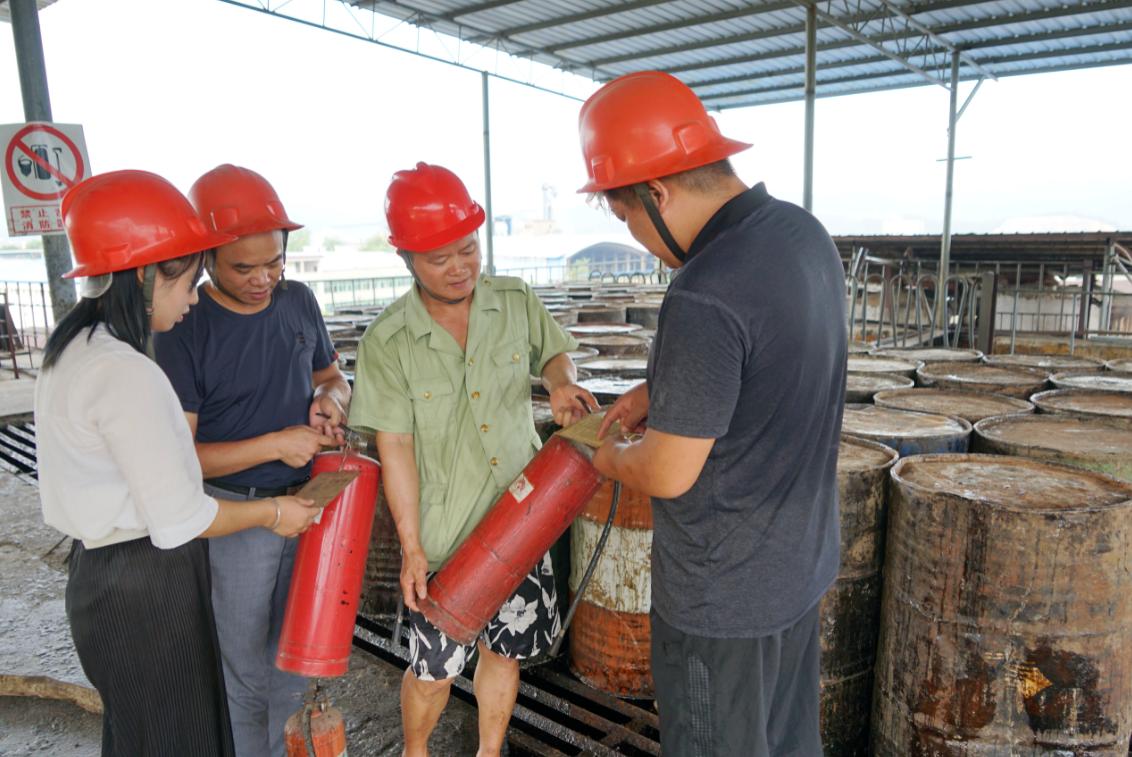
(646, 125)
(128, 219)
(239, 201)
(428, 207)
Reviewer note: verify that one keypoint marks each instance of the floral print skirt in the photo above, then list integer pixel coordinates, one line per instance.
(525, 626)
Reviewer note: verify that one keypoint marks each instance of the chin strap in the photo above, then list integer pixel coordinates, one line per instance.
(642, 191)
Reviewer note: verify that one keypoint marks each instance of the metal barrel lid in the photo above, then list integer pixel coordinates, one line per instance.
(931, 354)
(1120, 366)
(1007, 482)
(1049, 363)
(1086, 403)
(1095, 443)
(856, 455)
(1108, 381)
(869, 420)
(870, 364)
(971, 406)
(861, 387)
(602, 329)
(623, 367)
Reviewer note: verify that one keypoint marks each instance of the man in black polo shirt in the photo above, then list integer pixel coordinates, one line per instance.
(743, 403)
(259, 383)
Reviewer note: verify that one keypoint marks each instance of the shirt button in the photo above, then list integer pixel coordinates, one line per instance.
(495, 461)
(484, 428)
(471, 361)
(428, 395)
(475, 395)
(515, 358)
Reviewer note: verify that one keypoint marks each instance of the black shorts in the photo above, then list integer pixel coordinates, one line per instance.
(755, 697)
(525, 626)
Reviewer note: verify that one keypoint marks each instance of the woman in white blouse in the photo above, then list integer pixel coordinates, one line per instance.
(119, 474)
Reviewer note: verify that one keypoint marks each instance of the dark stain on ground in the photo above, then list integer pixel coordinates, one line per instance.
(1072, 696)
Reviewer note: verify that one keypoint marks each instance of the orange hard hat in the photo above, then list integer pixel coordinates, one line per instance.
(427, 207)
(239, 201)
(645, 125)
(128, 219)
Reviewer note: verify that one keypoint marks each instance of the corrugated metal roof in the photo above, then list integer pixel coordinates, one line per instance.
(6, 14)
(737, 53)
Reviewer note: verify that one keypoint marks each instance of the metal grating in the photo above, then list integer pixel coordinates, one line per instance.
(18, 450)
(555, 715)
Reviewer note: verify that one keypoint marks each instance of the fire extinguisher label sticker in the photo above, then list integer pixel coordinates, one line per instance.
(521, 488)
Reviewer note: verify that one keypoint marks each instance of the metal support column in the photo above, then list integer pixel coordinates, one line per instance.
(37, 107)
(489, 227)
(988, 296)
(945, 243)
(811, 91)
(1108, 274)
(1087, 284)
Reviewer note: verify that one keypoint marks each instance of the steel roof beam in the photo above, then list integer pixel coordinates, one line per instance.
(1019, 40)
(1000, 60)
(933, 37)
(900, 57)
(1023, 39)
(793, 94)
(451, 15)
(800, 28)
(644, 31)
(590, 15)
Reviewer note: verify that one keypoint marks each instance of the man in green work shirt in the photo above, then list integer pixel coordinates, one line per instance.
(444, 378)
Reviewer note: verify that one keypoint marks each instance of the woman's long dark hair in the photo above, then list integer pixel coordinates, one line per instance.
(121, 308)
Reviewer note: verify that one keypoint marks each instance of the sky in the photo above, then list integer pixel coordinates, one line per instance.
(179, 86)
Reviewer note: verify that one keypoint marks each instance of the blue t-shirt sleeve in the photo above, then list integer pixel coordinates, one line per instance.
(700, 351)
(324, 353)
(173, 350)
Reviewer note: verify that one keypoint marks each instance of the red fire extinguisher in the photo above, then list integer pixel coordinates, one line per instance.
(495, 558)
(326, 582)
(317, 730)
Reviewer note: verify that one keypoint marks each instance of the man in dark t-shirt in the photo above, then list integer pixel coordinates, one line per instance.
(743, 400)
(259, 383)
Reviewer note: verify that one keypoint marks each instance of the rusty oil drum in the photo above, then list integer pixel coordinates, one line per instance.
(862, 387)
(610, 637)
(970, 406)
(1006, 610)
(906, 432)
(1092, 443)
(1084, 403)
(932, 354)
(1013, 381)
(850, 610)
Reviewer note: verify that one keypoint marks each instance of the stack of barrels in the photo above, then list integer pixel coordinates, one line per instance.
(984, 603)
(1005, 624)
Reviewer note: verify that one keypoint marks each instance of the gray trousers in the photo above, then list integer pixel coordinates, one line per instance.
(251, 573)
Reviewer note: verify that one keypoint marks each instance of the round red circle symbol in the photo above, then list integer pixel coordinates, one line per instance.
(16, 143)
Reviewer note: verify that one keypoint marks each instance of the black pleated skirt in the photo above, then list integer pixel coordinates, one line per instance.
(141, 619)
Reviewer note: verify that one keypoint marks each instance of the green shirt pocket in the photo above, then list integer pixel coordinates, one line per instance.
(513, 369)
(434, 402)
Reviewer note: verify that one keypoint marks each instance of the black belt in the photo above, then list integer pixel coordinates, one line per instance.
(254, 492)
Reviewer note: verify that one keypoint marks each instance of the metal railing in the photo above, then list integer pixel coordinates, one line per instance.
(893, 302)
(371, 291)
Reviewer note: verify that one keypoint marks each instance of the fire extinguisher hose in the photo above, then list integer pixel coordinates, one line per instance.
(613, 502)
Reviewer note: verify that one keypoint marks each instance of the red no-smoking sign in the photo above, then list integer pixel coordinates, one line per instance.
(41, 162)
